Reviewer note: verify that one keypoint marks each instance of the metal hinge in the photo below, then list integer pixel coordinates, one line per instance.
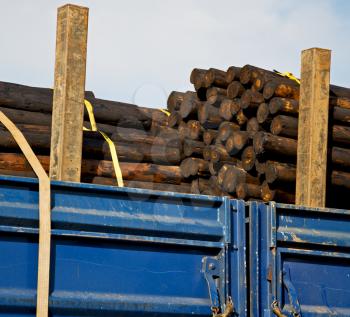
(213, 273)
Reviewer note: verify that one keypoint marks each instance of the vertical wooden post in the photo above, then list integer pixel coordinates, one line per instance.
(69, 90)
(313, 127)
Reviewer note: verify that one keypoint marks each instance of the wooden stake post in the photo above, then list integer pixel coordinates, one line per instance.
(69, 90)
(313, 128)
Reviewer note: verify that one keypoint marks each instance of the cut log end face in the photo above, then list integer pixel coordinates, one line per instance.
(248, 158)
(262, 113)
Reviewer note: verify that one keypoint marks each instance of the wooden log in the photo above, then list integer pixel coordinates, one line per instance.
(225, 130)
(215, 167)
(253, 127)
(193, 148)
(241, 117)
(218, 153)
(246, 190)
(232, 74)
(260, 166)
(215, 77)
(130, 171)
(183, 130)
(277, 172)
(248, 158)
(268, 194)
(288, 127)
(209, 136)
(194, 166)
(236, 142)
(174, 101)
(174, 119)
(256, 76)
(215, 95)
(221, 174)
(179, 188)
(251, 98)
(281, 89)
(197, 78)
(228, 108)
(208, 116)
(235, 89)
(195, 129)
(287, 106)
(268, 143)
(262, 113)
(189, 106)
(200, 185)
(207, 152)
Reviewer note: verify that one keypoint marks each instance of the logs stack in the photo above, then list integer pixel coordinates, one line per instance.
(239, 131)
(149, 152)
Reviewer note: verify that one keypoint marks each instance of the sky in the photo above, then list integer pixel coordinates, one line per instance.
(139, 51)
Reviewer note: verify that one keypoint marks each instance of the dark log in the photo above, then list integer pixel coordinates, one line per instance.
(260, 166)
(189, 106)
(272, 144)
(207, 152)
(291, 107)
(174, 119)
(235, 89)
(208, 116)
(174, 100)
(215, 95)
(232, 74)
(225, 130)
(256, 76)
(195, 130)
(215, 77)
(193, 148)
(236, 142)
(241, 117)
(251, 98)
(209, 136)
(262, 113)
(183, 130)
(279, 88)
(181, 188)
(288, 126)
(197, 78)
(253, 127)
(221, 174)
(200, 185)
(246, 190)
(130, 171)
(277, 172)
(219, 153)
(268, 194)
(228, 108)
(194, 166)
(215, 167)
(248, 158)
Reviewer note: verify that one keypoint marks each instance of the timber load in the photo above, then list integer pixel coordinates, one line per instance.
(240, 129)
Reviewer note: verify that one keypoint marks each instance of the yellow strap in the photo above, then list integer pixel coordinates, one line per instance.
(288, 75)
(165, 111)
(112, 148)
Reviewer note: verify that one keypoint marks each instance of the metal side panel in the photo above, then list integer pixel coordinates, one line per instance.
(302, 261)
(120, 252)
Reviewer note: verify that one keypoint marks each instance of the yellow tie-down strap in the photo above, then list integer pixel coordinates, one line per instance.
(165, 111)
(288, 75)
(112, 148)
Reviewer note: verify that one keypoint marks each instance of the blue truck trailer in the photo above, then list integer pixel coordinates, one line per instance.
(132, 252)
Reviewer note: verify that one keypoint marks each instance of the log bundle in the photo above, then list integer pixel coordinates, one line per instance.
(149, 153)
(240, 127)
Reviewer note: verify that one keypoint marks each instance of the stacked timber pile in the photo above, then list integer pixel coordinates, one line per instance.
(239, 130)
(149, 152)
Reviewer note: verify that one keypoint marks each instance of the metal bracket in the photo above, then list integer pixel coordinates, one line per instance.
(211, 268)
(292, 296)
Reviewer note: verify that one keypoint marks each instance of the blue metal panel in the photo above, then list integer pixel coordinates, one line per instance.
(301, 260)
(120, 252)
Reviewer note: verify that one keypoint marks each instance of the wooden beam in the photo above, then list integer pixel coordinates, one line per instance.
(313, 128)
(69, 89)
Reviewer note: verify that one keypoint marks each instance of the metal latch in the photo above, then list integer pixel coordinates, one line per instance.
(292, 296)
(211, 268)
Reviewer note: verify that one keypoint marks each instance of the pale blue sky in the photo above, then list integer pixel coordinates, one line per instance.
(139, 51)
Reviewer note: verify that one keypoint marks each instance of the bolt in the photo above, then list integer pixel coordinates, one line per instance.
(211, 266)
